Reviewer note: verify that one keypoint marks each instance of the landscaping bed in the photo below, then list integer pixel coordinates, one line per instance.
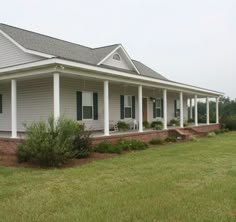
(11, 160)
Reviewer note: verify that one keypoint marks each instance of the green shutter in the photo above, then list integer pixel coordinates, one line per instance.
(154, 109)
(133, 107)
(122, 107)
(95, 106)
(79, 105)
(175, 108)
(162, 108)
(0, 103)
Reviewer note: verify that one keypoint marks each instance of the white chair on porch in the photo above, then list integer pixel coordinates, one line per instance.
(113, 125)
(133, 124)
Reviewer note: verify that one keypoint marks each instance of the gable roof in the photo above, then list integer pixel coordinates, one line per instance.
(68, 50)
(146, 71)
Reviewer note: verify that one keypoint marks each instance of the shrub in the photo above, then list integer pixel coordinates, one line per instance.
(218, 131)
(226, 130)
(229, 122)
(157, 125)
(155, 141)
(82, 144)
(146, 124)
(211, 134)
(174, 122)
(131, 144)
(122, 125)
(194, 139)
(48, 143)
(107, 147)
(170, 139)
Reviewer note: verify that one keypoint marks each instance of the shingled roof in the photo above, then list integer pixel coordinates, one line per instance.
(68, 50)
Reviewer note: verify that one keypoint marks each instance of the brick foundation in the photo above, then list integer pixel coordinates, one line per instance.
(144, 136)
(8, 145)
(206, 128)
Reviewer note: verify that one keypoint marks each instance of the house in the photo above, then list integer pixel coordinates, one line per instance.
(40, 75)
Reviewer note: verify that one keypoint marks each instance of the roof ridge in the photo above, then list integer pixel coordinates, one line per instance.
(45, 35)
(105, 46)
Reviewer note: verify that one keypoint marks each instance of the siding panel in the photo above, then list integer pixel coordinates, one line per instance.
(11, 55)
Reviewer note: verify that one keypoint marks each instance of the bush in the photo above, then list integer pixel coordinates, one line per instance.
(211, 134)
(146, 124)
(225, 130)
(170, 139)
(107, 147)
(218, 131)
(157, 125)
(122, 125)
(229, 122)
(174, 122)
(131, 144)
(82, 144)
(48, 143)
(155, 141)
(194, 139)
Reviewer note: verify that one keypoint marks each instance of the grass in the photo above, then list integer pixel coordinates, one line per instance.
(192, 181)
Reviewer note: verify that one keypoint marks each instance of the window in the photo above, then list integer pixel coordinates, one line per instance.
(158, 107)
(177, 108)
(128, 106)
(0, 103)
(116, 57)
(87, 98)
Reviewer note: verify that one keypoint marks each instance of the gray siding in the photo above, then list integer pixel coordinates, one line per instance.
(11, 55)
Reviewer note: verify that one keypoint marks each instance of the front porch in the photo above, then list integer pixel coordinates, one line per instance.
(94, 102)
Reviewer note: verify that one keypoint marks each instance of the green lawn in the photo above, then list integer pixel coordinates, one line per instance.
(192, 181)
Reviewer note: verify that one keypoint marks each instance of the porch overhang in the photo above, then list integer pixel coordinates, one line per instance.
(66, 67)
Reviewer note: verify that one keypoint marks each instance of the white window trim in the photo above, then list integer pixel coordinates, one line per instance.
(83, 106)
(128, 107)
(116, 54)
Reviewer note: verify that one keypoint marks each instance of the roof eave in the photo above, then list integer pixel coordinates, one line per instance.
(98, 69)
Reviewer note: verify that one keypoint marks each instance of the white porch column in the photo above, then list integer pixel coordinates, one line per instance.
(106, 108)
(181, 110)
(165, 108)
(196, 110)
(191, 109)
(56, 95)
(140, 108)
(207, 111)
(217, 110)
(13, 109)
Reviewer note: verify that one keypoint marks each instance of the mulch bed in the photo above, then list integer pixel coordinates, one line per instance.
(11, 160)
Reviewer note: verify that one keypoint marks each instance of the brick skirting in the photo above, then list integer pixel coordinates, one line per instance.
(206, 128)
(8, 145)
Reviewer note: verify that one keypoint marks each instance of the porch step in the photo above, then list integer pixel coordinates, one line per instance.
(188, 132)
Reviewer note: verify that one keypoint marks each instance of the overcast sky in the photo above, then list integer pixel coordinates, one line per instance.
(189, 41)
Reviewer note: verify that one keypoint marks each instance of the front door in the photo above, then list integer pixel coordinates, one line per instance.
(144, 109)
